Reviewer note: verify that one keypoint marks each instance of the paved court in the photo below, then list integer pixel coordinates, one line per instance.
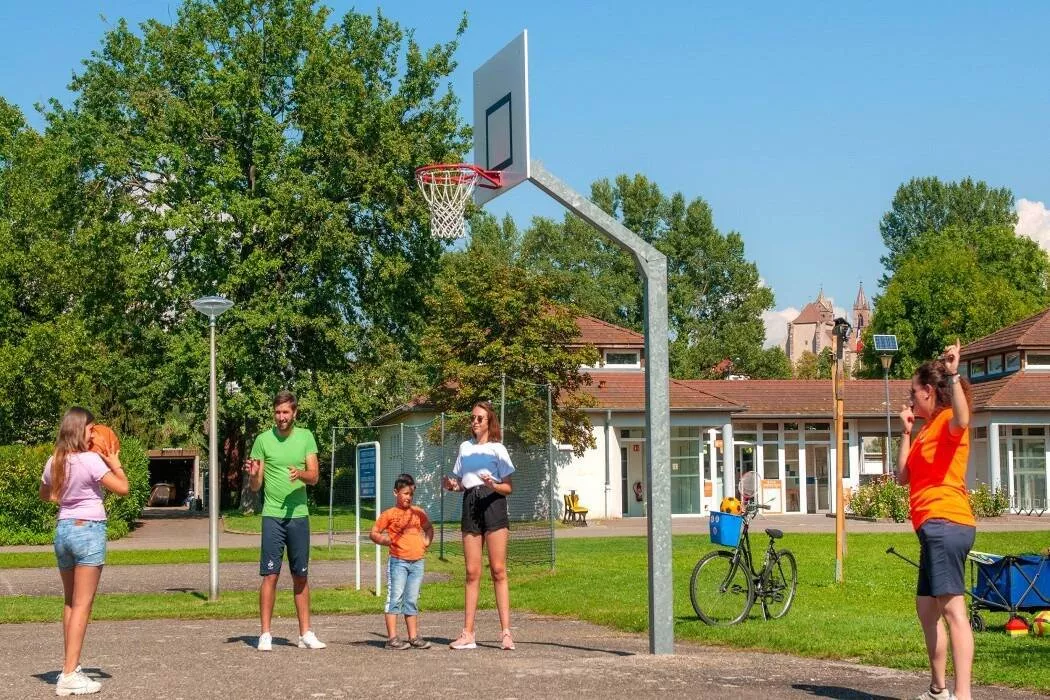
(171, 659)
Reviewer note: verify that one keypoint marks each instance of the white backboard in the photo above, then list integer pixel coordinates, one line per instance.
(501, 116)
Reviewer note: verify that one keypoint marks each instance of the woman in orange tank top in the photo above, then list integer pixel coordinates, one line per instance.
(934, 467)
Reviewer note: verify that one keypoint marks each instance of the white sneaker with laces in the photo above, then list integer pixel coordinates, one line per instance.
(310, 641)
(265, 642)
(76, 683)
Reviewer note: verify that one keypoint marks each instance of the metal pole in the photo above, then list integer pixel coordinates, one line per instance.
(331, 493)
(441, 545)
(550, 472)
(213, 480)
(652, 265)
(502, 399)
(357, 517)
(889, 429)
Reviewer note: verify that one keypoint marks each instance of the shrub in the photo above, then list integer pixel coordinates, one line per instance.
(986, 503)
(25, 519)
(881, 498)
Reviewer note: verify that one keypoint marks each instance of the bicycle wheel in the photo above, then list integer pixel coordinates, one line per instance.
(778, 590)
(721, 589)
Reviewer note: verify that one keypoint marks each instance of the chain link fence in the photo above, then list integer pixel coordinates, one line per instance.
(426, 447)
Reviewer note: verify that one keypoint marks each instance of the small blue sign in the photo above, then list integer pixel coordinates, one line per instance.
(366, 470)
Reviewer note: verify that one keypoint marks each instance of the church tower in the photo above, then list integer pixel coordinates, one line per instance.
(861, 316)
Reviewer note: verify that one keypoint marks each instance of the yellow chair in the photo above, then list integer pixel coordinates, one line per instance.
(567, 515)
(579, 513)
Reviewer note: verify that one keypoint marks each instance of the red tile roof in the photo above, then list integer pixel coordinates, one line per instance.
(600, 334)
(1032, 332)
(626, 390)
(806, 397)
(1021, 390)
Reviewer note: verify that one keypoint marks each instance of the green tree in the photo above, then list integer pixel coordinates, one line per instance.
(772, 363)
(961, 282)
(811, 365)
(489, 317)
(259, 149)
(715, 298)
(927, 204)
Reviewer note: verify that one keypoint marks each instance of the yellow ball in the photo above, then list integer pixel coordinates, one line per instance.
(1041, 624)
(730, 504)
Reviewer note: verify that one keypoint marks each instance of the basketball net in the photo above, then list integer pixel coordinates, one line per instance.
(447, 189)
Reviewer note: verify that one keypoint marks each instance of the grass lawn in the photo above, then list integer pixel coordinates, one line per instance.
(124, 557)
(343, 519)
(870, 619)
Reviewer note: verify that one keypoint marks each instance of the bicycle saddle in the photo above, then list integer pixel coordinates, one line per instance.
(774, 533)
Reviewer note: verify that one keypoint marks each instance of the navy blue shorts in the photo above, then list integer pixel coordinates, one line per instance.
(278, 533)
(943, 546)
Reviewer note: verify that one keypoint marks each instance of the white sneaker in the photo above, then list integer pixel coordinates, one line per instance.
(310, 641)
(76, 683)
(265, 642)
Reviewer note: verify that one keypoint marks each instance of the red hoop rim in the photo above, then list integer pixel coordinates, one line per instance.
(489, 179)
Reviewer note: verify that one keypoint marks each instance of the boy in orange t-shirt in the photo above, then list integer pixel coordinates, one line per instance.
(406, 529)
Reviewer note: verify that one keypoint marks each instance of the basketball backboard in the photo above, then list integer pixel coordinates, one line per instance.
(501, 116)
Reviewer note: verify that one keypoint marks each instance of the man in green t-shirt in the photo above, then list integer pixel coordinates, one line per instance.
(283, 462)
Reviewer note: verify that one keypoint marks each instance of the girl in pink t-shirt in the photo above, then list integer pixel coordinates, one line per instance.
(73, 478)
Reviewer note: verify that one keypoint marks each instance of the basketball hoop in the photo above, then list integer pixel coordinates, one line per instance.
(447, 188)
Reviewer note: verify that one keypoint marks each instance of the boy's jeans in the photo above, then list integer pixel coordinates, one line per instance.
(403, 581)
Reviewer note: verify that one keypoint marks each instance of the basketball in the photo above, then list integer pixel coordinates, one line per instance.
(1041, 624)
(730, 504)
(103, 440)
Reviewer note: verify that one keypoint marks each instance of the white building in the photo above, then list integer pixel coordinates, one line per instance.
(783, 429)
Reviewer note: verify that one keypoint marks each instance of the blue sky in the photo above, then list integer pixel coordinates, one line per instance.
(795, 122)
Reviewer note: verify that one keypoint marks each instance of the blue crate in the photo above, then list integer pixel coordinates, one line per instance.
(725, 528)
(1014, 583)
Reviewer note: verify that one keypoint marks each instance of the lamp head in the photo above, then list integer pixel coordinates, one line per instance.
(213, 306)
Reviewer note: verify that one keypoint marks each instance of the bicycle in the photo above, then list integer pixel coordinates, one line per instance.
(725, 584)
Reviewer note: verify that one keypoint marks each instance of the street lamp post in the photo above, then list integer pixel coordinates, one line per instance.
(213, 307)
(886, 347)
(841, 333)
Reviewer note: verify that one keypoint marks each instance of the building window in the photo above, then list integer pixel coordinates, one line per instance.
(964, 369)
(980, 433)
(621, 358)
(1034, 361)
(995, 364)
(977, 368)
(1013, 361)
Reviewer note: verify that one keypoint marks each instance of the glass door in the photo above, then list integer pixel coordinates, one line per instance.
(1029, 485)
(818, 481)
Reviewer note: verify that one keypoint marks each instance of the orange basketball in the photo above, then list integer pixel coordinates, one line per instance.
(103, 440)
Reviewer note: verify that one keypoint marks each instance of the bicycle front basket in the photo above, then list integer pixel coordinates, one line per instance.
(725, 528)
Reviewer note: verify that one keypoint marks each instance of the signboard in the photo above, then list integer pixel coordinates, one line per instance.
(366, 468)
(771, 495)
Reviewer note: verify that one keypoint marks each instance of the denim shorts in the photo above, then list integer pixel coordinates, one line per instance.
(943, 546)
(403, 581)
(80, 543)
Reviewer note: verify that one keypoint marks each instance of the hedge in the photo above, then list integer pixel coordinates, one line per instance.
(25, 519)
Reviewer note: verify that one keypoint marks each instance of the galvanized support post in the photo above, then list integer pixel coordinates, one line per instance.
(441, 545)
(502, 400)
(652, 264)
(331, 494)
(550, 471)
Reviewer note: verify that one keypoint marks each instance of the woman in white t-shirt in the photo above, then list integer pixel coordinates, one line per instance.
(73, 478)
(482, 473)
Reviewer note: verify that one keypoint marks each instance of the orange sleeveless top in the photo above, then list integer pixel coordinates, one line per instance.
(937, 473)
